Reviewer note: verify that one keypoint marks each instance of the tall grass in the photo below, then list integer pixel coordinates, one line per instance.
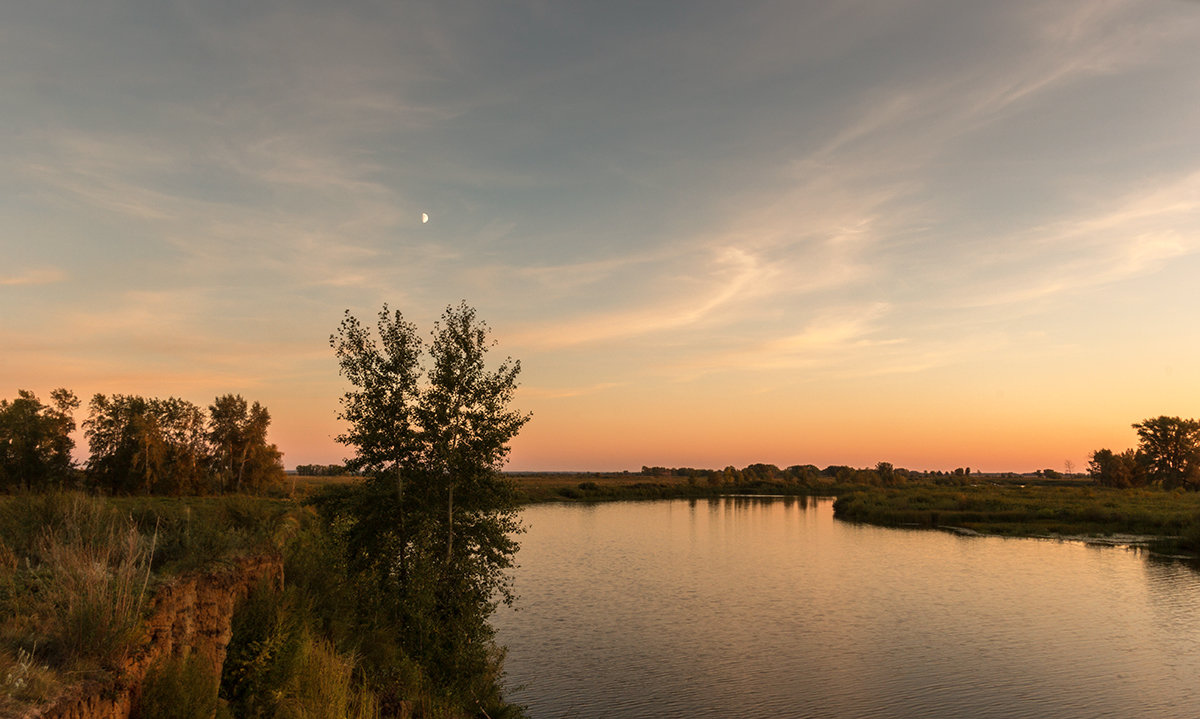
(76, 575)
(278, 667)
(97, 574)
(180, 688)
(324, 687)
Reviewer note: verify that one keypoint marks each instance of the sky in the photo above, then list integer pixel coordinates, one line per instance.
(933, 233)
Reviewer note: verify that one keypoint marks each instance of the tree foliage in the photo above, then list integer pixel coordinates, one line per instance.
(1171, 447)
(430, 523)
(1168, 455)
(1122, 470)
(35, 440)
(142, 445)
(242, 458)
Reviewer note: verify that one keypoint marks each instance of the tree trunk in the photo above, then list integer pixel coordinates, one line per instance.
(403, 534)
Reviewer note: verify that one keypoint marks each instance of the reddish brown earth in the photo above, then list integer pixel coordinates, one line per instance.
(190, 615)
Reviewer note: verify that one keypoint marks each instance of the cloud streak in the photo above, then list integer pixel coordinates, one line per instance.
(33, 277)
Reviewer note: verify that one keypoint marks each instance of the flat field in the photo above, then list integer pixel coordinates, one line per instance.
(1083, 509)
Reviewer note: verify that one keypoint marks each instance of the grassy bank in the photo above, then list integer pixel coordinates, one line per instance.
(1082, 509)
(77, 574)
(602, 487)
(1023, 506)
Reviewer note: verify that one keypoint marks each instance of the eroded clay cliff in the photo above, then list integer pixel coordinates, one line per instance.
(189, 615)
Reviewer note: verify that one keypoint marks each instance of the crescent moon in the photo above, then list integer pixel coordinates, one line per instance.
(424, 217)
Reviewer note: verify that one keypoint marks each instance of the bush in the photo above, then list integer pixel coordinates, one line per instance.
(275, 668)
(182, 688)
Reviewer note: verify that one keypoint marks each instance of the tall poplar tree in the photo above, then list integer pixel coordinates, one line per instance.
(430, 524)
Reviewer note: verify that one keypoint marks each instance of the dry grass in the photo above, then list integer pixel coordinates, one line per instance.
(76, 573)
(96, 570)
(24, 679)
(75, 586)
(324, 687)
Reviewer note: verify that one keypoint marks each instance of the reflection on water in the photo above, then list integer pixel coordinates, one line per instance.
(768, 607)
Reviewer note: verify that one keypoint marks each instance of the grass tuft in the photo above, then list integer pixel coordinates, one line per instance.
(182, 688)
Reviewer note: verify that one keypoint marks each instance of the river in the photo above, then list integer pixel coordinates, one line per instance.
(769, 607)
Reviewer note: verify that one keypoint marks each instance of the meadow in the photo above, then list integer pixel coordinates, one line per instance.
(1170, 517)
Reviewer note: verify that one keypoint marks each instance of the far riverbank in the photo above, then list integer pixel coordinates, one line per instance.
(1167, 521)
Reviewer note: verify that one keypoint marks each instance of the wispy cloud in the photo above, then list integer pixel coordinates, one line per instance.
(39, 276)
(824, 341)
(733, 272)
(1134, 235)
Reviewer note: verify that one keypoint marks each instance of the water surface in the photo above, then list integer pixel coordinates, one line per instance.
(739, 607)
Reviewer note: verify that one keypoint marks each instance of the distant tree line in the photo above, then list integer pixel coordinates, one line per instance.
(138, 445)
(883, 474)
(323, 470)
(1167, 455)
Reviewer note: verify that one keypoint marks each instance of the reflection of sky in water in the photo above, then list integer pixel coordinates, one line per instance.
(771, 608)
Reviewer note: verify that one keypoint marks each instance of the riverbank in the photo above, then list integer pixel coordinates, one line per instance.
(95, 593)
(618, 486)
(1166, 521)
(1073, 509)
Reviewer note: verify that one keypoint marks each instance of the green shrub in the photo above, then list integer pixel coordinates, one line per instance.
(181, 688)
(275, 668)
(263, 653)
(324, 687)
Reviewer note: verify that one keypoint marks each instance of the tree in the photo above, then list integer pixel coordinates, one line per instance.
(242, 458)
(1124, 470)
(888, 474)
(465, 422)
(431, 521)
(35, 440)
(140, 445)
(1171, 447)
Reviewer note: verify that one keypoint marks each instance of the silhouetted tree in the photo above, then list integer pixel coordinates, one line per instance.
(242, 458)
(887, 473)
(140, 445)
(35, 440)
(1170, 446)
(1124, 470)
(432, 520)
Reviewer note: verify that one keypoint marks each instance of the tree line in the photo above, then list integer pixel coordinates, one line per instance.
(1167, 455)
(883, 474)
(323, 470)
(138, 445)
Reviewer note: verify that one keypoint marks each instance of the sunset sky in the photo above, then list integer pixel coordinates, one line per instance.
(932, 233)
